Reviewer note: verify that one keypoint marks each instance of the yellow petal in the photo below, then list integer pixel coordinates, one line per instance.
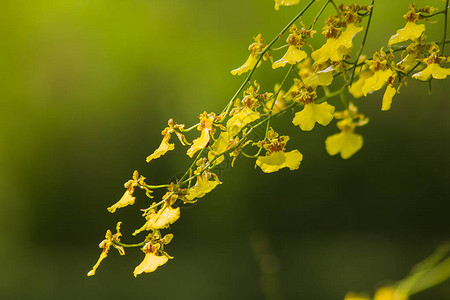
(278, 160)
(346, 37)
(376, 81)
(127, 199)
(432, 70)
(219, 146)
(247, 66)
(330, 50)
(387, 98)
(324, 78)
(199, 143)
(279, 3)
(356, 87)
(164, 219)
(388, 293)
(150, 263)
(347, 143)
(163, 148)
(201, 187)
(353, 296)
(321, 113)
(239, 120)
(411, 31)
(292, 56)
(94, 268)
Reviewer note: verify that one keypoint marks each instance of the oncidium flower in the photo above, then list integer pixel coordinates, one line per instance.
(295, 40)
(433, 68)
(165, 145)
(110, 240)
(276, 158)
(412, 31)
(311, 113)
(127, 198)
(255, 49)
(279, 3)
(346, 142)
(154, 254)
(206, 127)
(204, 183)
(381, 73)
(165, 216)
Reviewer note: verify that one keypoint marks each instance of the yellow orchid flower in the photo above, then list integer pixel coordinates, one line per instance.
(292, 56)
(279, 3)
(356, 88)
(165, 145)
(255, 48)
(387, 97)
(311, 113)
(159, 220)
(220, 145)
(433, 69)
(411, 31)
(106, 244)
(152, 260)
(322, 78)
(376, 81)
(240, 120)
(127, 198)
(206, 127)
(202, 187)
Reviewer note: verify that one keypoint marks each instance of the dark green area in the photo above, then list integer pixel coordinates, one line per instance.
(87, 87)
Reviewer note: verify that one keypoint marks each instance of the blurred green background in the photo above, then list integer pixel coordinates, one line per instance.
(87, 87)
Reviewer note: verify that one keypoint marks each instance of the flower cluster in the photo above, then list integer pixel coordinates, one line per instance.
(305, 91)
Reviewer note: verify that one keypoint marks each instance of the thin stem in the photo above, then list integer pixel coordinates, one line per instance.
(190, 128)
(318, 15)
(445, 27)
(363, 42)
(129, 245)
(276, 38)
(152, 187)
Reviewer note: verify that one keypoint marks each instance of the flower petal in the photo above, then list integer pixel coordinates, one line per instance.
(292, 56)
(346, 143)
(312, 113)
(150, 263)
(411, 31)
(278, 160)
(376, 81)
(127, 199)
(387, 98)
(247, 66)
(163, 148)
(279, 3)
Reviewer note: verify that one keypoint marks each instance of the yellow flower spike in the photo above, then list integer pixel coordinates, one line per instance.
(323, 78)
(387, 98)
(389, 293)
(411, 31)
(240, 120)
(105, 245)
(278, 160)
(162, 149)
(279, 3)
(432, 70)
(346, 143)
(292, 56)
(376, 81)
(356, 88)
(219, 146)
(151, 260)
(321, 113)
(345, 40)
(354, 296)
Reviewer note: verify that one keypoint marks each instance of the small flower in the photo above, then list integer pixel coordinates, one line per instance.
(411, 31)
(154, 258)
(165, 145)
(356, 88)
(276, 158)
(311, 113)
(433, 69)
(255, 49)
(279, 3)
(220, 145)
(381, 73)
(346, 142)
(109, 241)
(294, 54)
(127, 198)
(165, 216)
(204, 183)
(206, 127)
(240, 120)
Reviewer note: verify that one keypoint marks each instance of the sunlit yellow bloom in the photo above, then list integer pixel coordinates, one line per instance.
(106, 245)
(206, 128)
(278, 160)
(356, 88)
(150, 263)
(432, 70)
(127, 198)
(279, 3)
(165, 145)
(389, 293)
(240, 120)
(335, 48)
(258, 46)
(311, 113)
(346, 143)
(323, 78)
(292, 56)
(376, 81)
(201, 187)
(387, 98)
(219, 146)
(411, 31)
(353, 296)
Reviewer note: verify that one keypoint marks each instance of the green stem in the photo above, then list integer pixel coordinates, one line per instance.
(152, 187)
(363, 42)
(319, 14)
(445, 27)
(129, 245)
